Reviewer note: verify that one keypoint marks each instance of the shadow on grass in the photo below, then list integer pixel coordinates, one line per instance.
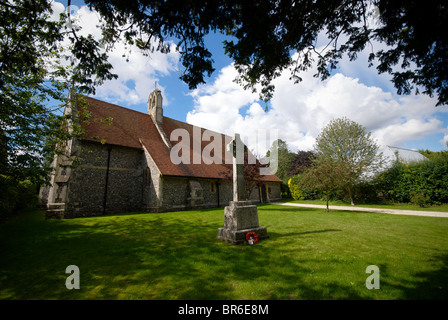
(148, 257)
(428, 285)
(274, 235)
(167, 256)
(121, 256)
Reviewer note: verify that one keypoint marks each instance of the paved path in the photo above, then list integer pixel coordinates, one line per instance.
(389, 211)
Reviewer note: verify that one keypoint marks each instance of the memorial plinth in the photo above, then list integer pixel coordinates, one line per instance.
(240, 218)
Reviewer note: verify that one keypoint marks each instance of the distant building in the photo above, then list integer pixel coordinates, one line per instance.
(405, 156)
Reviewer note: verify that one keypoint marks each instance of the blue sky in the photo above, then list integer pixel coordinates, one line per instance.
(297, 112)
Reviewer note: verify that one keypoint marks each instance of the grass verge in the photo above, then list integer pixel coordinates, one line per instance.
(309, 255)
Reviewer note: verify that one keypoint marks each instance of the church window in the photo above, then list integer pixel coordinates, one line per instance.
(213, 187)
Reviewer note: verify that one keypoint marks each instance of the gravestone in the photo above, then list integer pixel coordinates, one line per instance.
(240, 216)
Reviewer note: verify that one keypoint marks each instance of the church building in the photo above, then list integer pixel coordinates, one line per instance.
(123, 163)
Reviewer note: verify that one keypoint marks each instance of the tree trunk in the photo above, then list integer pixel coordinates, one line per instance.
(350, 195)
(326, 194)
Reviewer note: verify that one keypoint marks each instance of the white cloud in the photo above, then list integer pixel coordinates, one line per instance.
(300, 111)
(412, 129)
(217, 106)
(444, 141)
(57, 9)
(297, 111)
(136, 77)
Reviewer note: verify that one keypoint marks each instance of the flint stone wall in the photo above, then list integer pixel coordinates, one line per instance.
(183, 193)
(87, 184)
(274, 191)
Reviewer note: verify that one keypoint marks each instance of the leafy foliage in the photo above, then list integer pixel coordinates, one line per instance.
(280, 154)
(262, 35)
(15, 196)
(421, 182)
(419, 198)
(295, 188)
(325, 175)
(27, 39)
(34, 84)
(346, 144)
(405, 27)
(300, 162)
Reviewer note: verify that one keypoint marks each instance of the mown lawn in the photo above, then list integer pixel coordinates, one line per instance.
(310, 255)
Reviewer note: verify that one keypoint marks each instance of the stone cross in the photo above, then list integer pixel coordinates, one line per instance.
(240, 216)
(237, 147)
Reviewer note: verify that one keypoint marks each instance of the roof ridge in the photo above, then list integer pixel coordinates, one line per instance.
(116, 105)
(146, 114)
(192, 125)
(403, 149)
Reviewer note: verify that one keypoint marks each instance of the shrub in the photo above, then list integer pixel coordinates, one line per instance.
(295, 188)
(400, 182)
(419, 198)
(8, 194)
(15, 196)
(284, 189)
(366, 192)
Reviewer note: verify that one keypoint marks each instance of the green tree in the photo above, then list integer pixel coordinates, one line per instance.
(420, 182)
(325, 175)
(34, 84)
(300, 162)
(282, 158)
(263, 33)
(347, 143)
(432, 154)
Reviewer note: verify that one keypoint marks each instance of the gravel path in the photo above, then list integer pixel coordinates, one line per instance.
(389, 211)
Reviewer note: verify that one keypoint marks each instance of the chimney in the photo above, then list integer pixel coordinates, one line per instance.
(155, 109)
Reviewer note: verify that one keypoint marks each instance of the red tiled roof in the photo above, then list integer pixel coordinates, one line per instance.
(131, 128)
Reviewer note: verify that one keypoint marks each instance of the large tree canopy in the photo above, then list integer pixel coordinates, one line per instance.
(264, 33)
(33, 72)
(263, 36)
(348, 145)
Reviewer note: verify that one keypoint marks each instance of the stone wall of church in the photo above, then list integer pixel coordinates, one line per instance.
(152, 184)
(225, 193)
(87, 185)
(180, 193)
(174, 193)
(274, 191)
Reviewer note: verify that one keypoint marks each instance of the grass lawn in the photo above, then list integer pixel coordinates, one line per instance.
(310, 255)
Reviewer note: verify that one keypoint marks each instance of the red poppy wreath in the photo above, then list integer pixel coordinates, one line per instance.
(251, 237)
